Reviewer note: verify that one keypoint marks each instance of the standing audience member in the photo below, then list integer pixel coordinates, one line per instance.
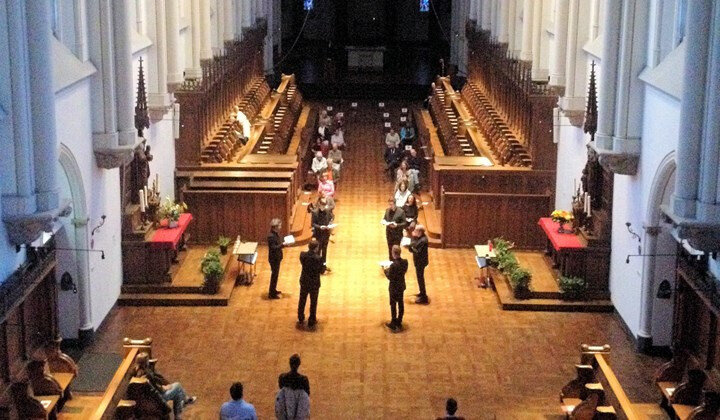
(169, 391)
(293, 400)
(392, 138)
(402, 194)
(321, 218)
(451, 407)
(394, 221)
(393, 155)
(312, 267)
(419, 249)
(275, 256)
(395, 273)
(237, 408)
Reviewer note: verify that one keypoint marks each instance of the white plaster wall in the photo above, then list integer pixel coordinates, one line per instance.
(160, 138)
(68, 309)
(103, 195)
(660, 125)
(571, 159)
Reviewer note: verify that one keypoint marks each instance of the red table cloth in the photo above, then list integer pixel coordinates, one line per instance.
(559, 241)
(169, 238)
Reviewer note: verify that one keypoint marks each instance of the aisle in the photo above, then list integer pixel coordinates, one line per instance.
(512, 364)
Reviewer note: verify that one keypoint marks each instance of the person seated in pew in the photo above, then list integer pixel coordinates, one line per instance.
(332, 173)
(393, 156)
(407, 135)
(403, 174)
(337, 157)
(326, 187)
(451, 407)
(392, 138)
(319, 164)
(324, 120)
(168, 391)
(402, 193)
(237, 408)
(338, 138)
(411, 209)
(414, 163)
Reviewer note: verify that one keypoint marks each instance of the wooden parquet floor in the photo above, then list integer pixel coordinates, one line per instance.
(504, 365)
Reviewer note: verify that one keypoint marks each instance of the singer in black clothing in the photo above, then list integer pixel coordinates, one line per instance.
(275, 256)
(395, 273)
(395, 222)
(419, 249)
(312, 268)
(321, 218)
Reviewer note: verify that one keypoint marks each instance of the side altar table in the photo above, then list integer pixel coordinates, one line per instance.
(148, 259)
(579, 255)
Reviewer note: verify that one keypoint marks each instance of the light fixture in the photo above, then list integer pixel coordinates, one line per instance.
(102, 222)
(634, 235)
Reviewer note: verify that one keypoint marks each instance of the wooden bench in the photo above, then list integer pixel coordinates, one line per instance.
(686, 392)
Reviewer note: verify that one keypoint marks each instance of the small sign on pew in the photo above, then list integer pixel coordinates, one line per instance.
(387, 124)
(329, 108)
(386, 115)
(340, 114)
(403, 119)
(353, 104)
(381, 104)
(404, 110)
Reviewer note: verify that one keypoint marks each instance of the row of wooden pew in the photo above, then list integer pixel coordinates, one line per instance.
(687, 393)
(285, 119)
(228, 140)
(498, 135)
(445, 129)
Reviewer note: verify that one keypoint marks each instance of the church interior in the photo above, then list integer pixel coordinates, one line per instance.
(182, 176)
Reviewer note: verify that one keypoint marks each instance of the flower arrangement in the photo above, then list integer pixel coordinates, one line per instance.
(519, 278)
(562, 216)
(171, 210)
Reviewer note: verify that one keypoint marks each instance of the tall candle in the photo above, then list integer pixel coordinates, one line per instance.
(157, 183)
(587, 206)
(141, 194)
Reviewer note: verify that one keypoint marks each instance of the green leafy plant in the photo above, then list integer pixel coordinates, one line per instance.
(572, 287)
(213, 271)
(507, 263)
(520, 279)
(223, 242)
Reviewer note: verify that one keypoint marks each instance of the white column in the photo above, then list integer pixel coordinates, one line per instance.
(172, 25)
(571, 49)
(608, 78)
(219, 32)
(79, 20)
(229, 17)
(124, 89)
(594, 18)
(102, 54)
(526, 54)
(246, 11)
(24, 203)
(648, 286)
(194, 71)
(502, 22)
(511, 20)
(493, 19)
(557, 58)
(42, 99)
(709, 195)
(157, 30)
(205, 31)
(486, 14)
(269, 38)
(537, 34)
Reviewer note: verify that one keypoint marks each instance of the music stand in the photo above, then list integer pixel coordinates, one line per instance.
(246, 277)
(482, 264)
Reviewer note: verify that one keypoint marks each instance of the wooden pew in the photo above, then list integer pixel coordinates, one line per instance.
(684, 389)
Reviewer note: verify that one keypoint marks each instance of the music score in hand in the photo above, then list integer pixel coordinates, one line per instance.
(328, 227)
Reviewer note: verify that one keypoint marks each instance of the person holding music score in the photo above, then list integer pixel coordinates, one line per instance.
(395, 274)
(312, 268)
(394, 221)
(275, 256)
(419, 249)
(322, 227)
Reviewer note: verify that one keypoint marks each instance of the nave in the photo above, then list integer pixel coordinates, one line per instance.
(497, 364)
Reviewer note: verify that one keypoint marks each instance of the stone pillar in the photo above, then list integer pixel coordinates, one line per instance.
(608, 75)
(269, 39)
(124, 89)
(502, 22)
(511, 21)
(648, 287)
(195, 71)
(24, 200)
(83, 279)
(526, 53)
(594, 18)
(79, 18)
(537, 34)
(229, 17)
(486, 15)
(103, 91)
(205, 31)
(709, 195)
(172, 25)
(573, 37)
(492, 27)
(558, 54)
(158, 97)
(246, 11)
(42, 101)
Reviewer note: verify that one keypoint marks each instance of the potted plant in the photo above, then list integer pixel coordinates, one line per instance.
(520, 282)
(223, 242)
(171, 211)
(572, 288)
(213, 272)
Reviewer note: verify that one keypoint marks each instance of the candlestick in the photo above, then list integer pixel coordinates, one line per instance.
(157, 182)
(141, 195)
(589, 207)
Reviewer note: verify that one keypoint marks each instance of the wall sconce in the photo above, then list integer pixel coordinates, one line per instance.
(634, 235)
(102, 222)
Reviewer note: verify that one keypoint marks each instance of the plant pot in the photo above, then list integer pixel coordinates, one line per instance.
(172, 224)
(572, 296)
(211, 287)
(223, 250)
(521, 293)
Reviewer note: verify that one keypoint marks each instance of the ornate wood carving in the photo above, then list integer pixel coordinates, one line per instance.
(142, 119)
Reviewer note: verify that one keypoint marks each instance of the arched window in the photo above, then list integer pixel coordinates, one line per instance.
(424, 5)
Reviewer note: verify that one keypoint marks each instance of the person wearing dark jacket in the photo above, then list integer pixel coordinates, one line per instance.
(394, 221)
(321, 218)
(275, 256)
(312, 268)
(395, 273)
(419, 249)
(293, 379)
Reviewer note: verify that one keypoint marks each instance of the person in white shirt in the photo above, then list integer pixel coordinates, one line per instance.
(392, 138)
(338, 138)
(319, 164)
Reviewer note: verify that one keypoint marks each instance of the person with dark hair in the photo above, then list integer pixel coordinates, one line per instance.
(169, 391)
(451, 407)
(321, 221)
(275, 256)
(237, 408)
(395, 273)
(312, 267)
(419, 249)
(292, 401)
(394, 221)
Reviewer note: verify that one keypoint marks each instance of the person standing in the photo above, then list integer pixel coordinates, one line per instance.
(395, 273)
(275, 256)
(293, 399)
(419, 249)
(312, 268)
(394, 221)
(321, 219)
(237, 408)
